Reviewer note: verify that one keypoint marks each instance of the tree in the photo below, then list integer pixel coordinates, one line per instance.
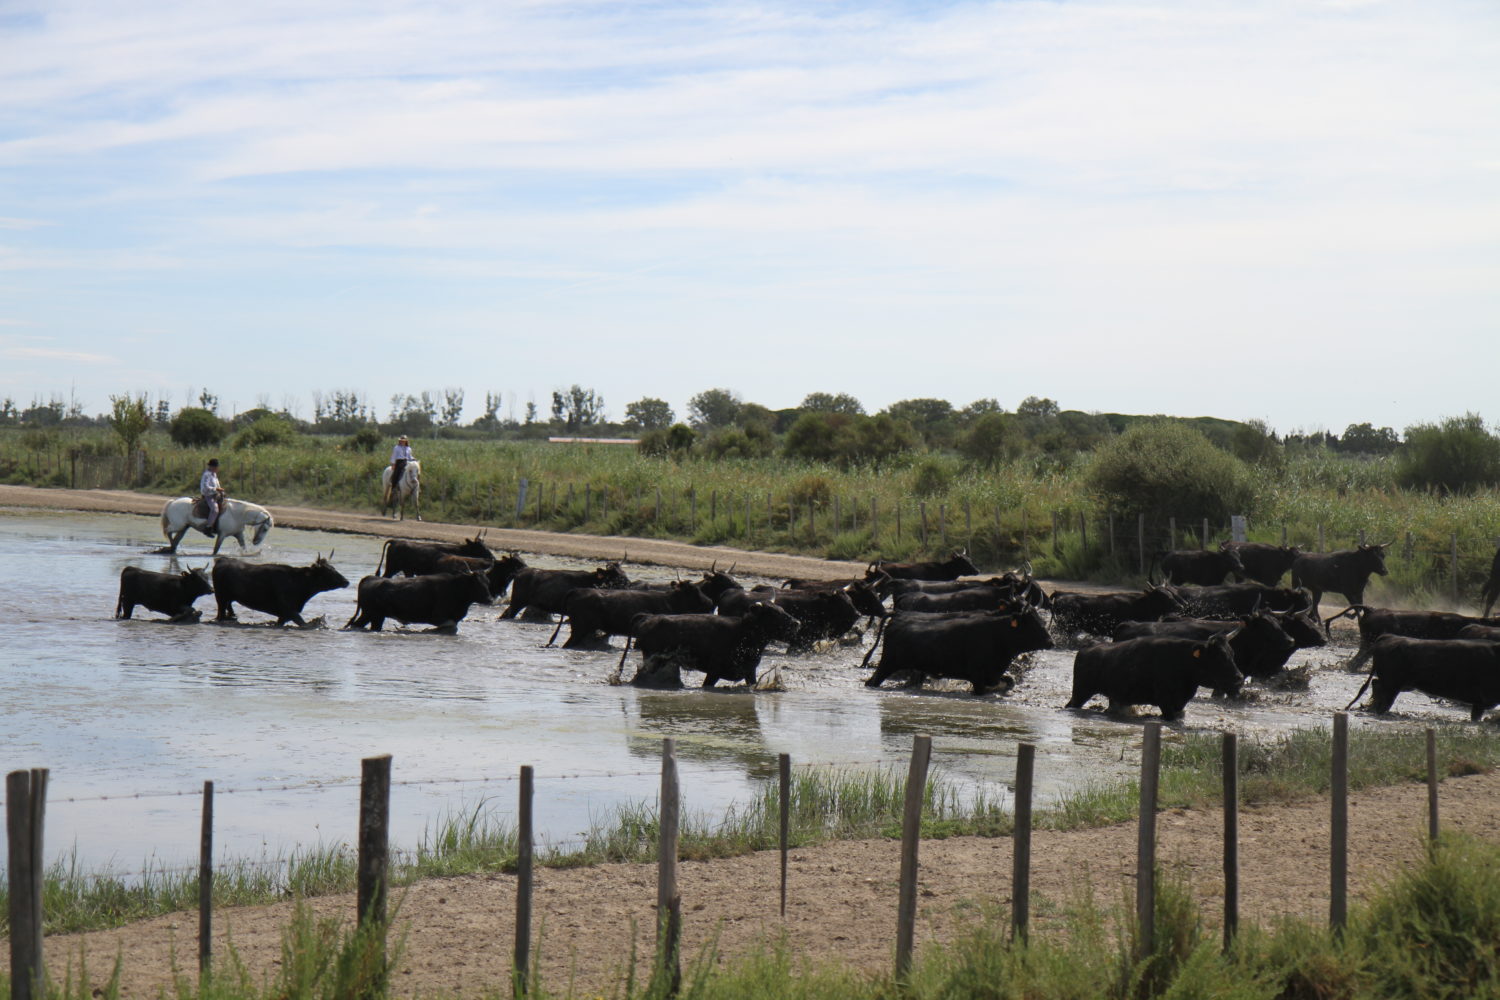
(931, 418)
(208, 401)
(1168, 469)
(676, 441)
(531, 412)
(649, 414)
(1457, 455)
(979, 408)
(194, 427)
(577, 407)
(453, 407)
(993, 438)
(414, 414)
(491, 417)
(823, 402)
(1037, 406)
(714, 408)
(163, 413)
(1364, 439)
(129, 418)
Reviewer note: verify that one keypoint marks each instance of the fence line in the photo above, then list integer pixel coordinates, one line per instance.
(27, 799)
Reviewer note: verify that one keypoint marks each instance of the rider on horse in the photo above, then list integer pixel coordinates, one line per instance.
(400, 455)
(212, 492)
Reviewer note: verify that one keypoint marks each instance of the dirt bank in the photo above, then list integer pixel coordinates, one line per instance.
(841, 897)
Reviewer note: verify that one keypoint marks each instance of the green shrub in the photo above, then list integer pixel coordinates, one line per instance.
(811, 489)
(265, 431)
(366, 439)
(194, 427)
(1168, 469)
(1456, 456)
(932, 478)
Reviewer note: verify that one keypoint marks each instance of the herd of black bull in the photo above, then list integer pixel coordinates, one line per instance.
(1167, 640)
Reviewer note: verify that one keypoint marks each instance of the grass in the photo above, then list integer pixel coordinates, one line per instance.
(826, 805)
(1021, 510)
(1432, 933)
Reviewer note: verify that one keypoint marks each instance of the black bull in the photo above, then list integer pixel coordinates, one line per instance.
(970, 646)
(1101, 614)
(170, 594)
(1344, 572)
(547, 590)
(1204, 567)
(272, 588)
(591, 611)
(399, 556)
(1164, 671)
(952, 568)
(1377, 622)
(1462, 670)
(1263, 562)
(723, 648)
(1260, 645)
(441, 599)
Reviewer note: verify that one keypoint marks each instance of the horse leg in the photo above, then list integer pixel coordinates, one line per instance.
(219, 540)
(174, 539)
(416, 501)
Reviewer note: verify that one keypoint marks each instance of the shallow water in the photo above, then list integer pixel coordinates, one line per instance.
(117, 709)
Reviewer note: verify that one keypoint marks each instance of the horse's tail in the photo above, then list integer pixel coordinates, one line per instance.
(165, 522)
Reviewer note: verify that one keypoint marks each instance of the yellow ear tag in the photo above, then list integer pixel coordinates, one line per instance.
(1197, 653)
(1014, 623)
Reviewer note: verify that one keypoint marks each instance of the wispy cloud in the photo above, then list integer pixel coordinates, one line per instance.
(55, 354)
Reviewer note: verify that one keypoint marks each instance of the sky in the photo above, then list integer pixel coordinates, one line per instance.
(1284, 211)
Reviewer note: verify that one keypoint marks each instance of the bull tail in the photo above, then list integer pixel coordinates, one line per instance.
(384, 549)
(1352, 611)
(620, 667)
(560, 619)
(879, 634)
(1360, 693)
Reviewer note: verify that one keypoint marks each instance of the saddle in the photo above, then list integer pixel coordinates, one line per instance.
(200, 505)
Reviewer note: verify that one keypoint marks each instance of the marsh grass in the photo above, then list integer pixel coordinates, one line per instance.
(1010, 505)
(827, 804)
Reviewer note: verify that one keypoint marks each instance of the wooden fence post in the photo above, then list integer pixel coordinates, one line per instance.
(1321, 546)
(588, 502)
(898, 521)
(1145, 854)
(520, 974)
(1111, 534)
(874, 523)
(713, 505)
(784, 762)
(943, 524)
(1432, 785)
(1338, 894)
(374, 837)
(1140, 541)
(1231, 768)
(1454, 538)
(968, 524)
(1171, 534)
(657, 517)
(668, 899)
(922, 510)
(911, 838)
(1083, 532)
(1020, 865)
(1056, 549)
(692, 509)
(25, 805)
(206, 885)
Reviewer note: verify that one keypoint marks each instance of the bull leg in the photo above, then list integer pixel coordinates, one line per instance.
(226, 611)
(123, 610)
(1476, 712)
(511, 610)
(1080, 698)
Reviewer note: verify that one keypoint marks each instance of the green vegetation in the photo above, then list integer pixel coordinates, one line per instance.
(1059, 489)
(826, 805)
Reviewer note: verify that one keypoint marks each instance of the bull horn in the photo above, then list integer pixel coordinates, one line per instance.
(330, 554)
(714, 567)
(732, 566)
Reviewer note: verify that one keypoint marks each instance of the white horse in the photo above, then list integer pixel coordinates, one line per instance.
(411, 488)
(234, 517)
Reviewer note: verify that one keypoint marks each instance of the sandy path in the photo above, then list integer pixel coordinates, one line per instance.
(841, 900)
(660, 552)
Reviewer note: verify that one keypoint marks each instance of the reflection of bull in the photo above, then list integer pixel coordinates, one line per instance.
(1164, 671)
(1462, 670)
(170, 594)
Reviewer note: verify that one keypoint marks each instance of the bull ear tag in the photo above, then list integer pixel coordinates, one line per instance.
(1014, 623)
(1197, 653)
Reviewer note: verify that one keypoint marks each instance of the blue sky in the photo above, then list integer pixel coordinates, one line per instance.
(1283, 211)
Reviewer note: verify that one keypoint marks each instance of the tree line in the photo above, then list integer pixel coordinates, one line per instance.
(1456, 454)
